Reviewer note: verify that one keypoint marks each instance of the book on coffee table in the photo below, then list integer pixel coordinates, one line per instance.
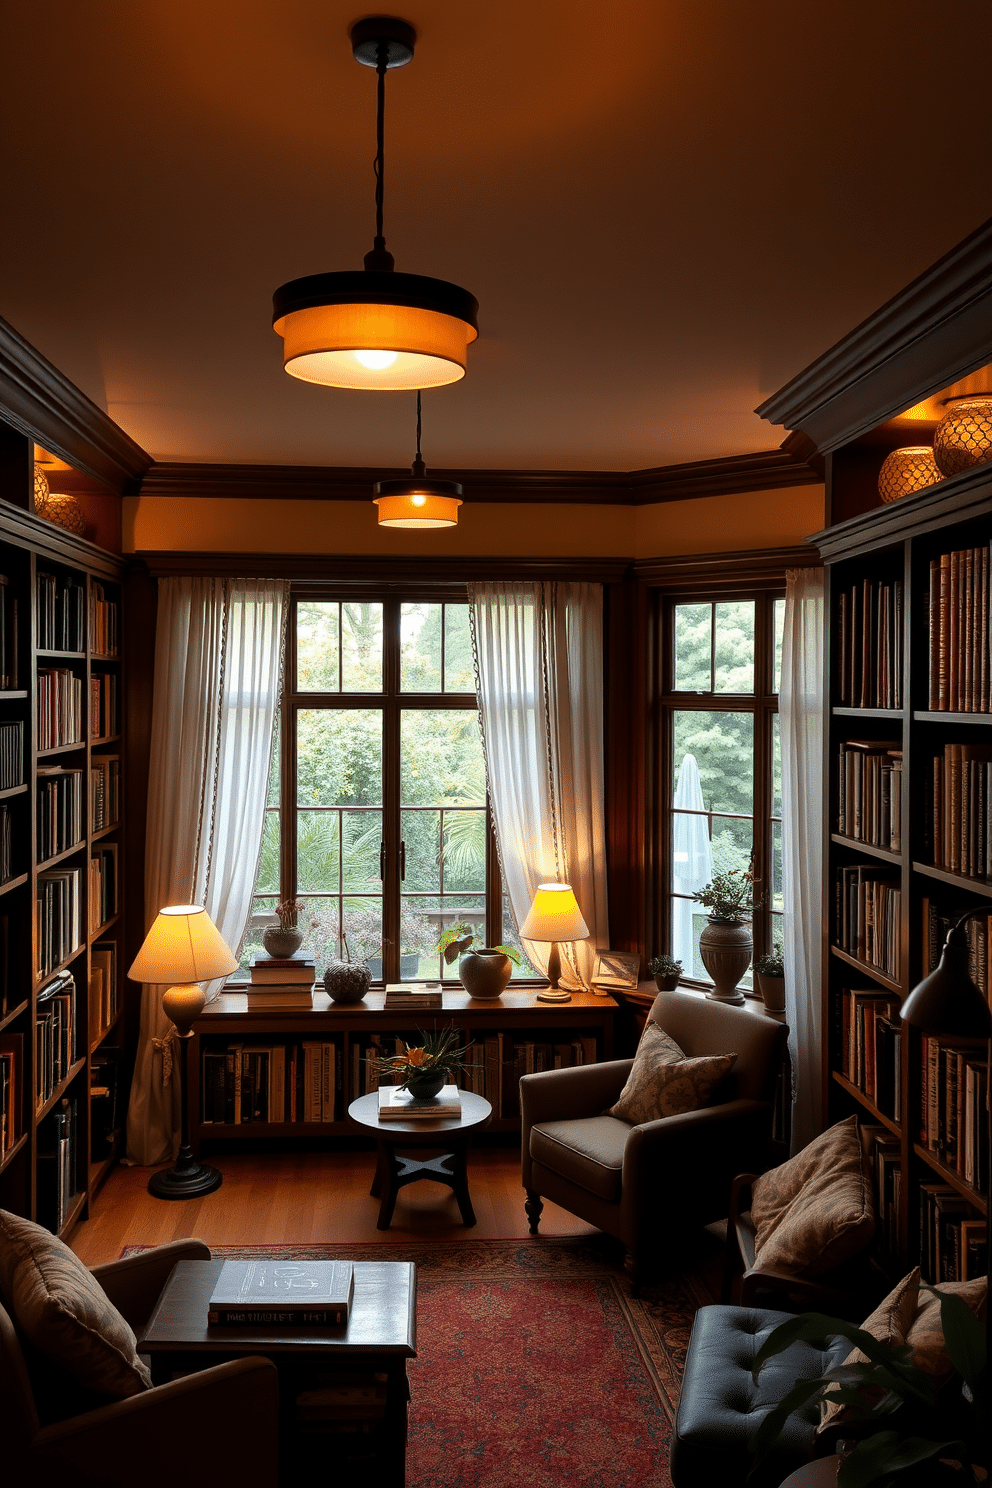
(272, 1292)
(396, 1104)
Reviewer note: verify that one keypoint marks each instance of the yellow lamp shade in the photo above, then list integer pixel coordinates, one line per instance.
(374, 330)
(907, 470)
(554, 915)
(183, 945)
(418, 509)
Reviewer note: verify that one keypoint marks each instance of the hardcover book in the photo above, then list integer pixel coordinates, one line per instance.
(396, 1104)
(273, 1292)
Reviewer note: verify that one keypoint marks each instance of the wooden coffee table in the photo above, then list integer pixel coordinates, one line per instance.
(449, 1138)
(366, 1443)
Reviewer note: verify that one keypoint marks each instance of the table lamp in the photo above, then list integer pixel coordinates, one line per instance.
(554, 916)
(183, 947)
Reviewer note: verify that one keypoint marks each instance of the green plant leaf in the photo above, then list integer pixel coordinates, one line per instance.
(964, 1336)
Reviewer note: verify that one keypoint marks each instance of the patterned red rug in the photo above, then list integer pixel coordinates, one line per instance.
(535, 1364)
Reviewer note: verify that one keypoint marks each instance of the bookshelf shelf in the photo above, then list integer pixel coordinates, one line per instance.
(950, 1177)
(66, 852)
(956, 880)
(857, 845)
(102, 930)
(11, 1153)
(862, 1099)
(893, 714)
(13, 883)
(13, 1015)
(104, 831)
(61, 749)
(866, 970)
(42, 978)
(13, 790)
(60, 655)
(75, 1069)
(74, 1213)
(15, 696)
(983, 720)
(102, 1037)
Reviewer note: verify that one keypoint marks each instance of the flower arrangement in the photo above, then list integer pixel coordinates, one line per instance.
(664, 966)
(459, 938)
(287, 911)
(772, 964)
(437, 1056)
(730, 895)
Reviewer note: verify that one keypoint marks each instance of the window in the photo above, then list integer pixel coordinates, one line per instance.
(377, 820)
(724, 777)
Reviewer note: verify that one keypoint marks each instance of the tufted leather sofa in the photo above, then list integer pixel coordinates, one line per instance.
(721, 1405)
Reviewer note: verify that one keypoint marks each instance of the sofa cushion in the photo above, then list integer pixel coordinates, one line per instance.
(926, 1334)
(818, 1209)
(663, 1081)
(890, 1324)
(588, 1152)
(64, 1314)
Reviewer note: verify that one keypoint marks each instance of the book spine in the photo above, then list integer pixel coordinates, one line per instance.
(235, 1317)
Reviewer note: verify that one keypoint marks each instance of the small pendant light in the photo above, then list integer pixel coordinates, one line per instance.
(376, 329)
(415, 501)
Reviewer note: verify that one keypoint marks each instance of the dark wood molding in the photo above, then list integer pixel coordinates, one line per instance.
(40, 401)
(385, 570)
(57, 545)
(953, 500)
(764, 471)
(760, 568)
(937, 329)
(626, 638)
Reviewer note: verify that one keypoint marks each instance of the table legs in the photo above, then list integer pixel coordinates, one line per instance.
(394, 1171)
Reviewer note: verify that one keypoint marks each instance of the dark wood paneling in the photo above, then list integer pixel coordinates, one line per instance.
(58, 545)
(16, 468)
(624, 738)
(42, 403)
(759, 568)
(385, 571)
(140, 604)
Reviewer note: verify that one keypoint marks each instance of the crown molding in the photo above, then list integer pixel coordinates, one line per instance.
(384, 571)
(40, 401)
(937, 329)
(737, 473)
(758, 568)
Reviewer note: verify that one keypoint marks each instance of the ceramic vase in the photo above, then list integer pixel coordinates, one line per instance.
(425, 1087)
(484, 974)
(280, 942)
(725, 948)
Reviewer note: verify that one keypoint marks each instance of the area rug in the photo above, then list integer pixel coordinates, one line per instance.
(535, 1364)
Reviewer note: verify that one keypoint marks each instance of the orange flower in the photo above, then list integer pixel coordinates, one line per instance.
(417, 1057)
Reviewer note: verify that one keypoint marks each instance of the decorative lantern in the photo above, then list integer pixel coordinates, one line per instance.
(964, 435)
(907, 470)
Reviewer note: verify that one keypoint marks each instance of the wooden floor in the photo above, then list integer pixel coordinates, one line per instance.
(303, 1198)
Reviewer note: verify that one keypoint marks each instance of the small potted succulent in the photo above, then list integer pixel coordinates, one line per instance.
(769, 973)
(284, 940)
(425, 1067)
(666, 972)
(484, 972)
(725, 945)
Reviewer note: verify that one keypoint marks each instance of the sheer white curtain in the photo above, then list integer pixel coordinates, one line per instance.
(539, 678)
(218, 665)
(801, 703)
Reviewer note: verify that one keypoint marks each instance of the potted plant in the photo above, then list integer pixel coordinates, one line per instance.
(347, 980)
(483, 972)
(725, 946)
(928, 1433)
(769, 973)
(284, 940)
(425, 1067)
(666, 972)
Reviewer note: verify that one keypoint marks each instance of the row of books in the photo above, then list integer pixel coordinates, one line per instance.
(104, 622)
(960, 672)
(105, 791)
(954, 1077)
(9, 641)
(869, 791)
(6, 842)
(869, 645)
(882, 1149)
(102, 885)
(11, 1089)
(59, 916)
(11, 754)
(60, 614)
(105, 1113)
(953, 1242)
(57, 1165)
(958, 831)
(60, 707)
(866, 916)
(104, 994)
(55, 1035)
(59, 819)
(938, 920)
(103, 706)
(271, 1082)
(870, 1046)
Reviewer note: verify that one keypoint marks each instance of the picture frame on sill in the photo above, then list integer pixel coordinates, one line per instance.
(615, 971)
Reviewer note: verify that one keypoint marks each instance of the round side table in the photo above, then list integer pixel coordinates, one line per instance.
(448, 1137)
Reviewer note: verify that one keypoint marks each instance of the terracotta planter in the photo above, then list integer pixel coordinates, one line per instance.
(484, 974)
(725, 948)
(282, 943)
(772, 991)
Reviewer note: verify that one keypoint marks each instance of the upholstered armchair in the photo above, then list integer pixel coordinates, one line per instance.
(644, 1184)
(217, 1426)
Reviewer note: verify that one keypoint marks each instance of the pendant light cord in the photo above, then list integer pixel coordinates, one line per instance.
(380, 141)
(419, 468)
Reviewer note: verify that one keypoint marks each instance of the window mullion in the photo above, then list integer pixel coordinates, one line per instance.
(391, 795)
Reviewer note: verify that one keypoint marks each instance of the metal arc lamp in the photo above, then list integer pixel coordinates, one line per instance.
(554, 916)
(415, 501)
(183, 948)
(376, 330)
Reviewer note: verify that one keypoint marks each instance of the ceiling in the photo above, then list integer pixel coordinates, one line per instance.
(666, 208)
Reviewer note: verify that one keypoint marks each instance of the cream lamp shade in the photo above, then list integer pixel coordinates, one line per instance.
(183, 947)
(554, 915)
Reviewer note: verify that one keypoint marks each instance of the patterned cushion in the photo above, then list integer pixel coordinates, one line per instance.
(890, 1323)
(926, 1335)
(64, 1313)
(664, 1082)
(818, 1209)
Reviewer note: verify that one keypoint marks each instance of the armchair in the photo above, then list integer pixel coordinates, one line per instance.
(217, 1426)
(642, 1183)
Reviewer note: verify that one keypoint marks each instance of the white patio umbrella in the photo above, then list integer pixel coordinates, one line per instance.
(692, 860)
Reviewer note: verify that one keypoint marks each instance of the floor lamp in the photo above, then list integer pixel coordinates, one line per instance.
(183, 947)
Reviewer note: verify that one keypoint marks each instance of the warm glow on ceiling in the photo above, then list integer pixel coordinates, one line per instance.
(931, 410)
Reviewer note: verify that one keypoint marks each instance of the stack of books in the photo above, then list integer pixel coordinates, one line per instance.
(281, 984)
(396, 1104)
(402, 995)
(270, 1293)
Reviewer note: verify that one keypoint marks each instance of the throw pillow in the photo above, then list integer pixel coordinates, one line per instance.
(64, 1313)
(665, 1082)
(890, 1324)
(926, 1334)
(818, 1209)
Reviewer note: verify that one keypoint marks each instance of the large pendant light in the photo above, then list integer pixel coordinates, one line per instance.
(376, 329)
(415, 501)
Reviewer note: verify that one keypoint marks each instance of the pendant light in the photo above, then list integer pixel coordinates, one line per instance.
(414, 501)
(375, 329)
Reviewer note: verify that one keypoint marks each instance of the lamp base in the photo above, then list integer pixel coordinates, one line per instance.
(187, 1180)
(554, 994)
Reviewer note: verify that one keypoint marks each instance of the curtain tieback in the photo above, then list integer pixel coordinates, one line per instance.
(164, 1046)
